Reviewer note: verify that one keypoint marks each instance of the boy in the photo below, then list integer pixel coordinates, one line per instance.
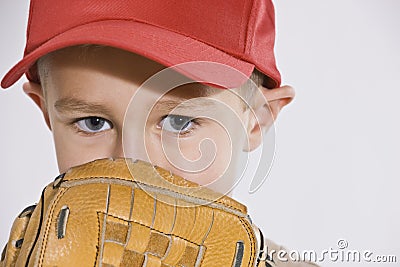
(96, 70)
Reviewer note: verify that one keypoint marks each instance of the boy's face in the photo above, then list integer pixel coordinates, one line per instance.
(96, 107)
(188, 130)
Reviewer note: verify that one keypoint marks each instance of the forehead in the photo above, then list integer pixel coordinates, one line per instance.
(74, 66)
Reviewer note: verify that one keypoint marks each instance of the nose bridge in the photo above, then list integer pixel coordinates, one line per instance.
(137, 124)
(131, 143)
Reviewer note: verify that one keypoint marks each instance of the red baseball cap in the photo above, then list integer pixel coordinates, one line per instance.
(236, 33)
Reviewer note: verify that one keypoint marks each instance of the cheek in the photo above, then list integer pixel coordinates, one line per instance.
(73, 149)
(207, 158)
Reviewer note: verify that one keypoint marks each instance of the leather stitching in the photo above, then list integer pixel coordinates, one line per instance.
(155, 186)
(98, 237)
(48, 224)
(251, 238)
(39, 227)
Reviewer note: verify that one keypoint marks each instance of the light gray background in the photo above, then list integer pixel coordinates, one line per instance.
(336, 171)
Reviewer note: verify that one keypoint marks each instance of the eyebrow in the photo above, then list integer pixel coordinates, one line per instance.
(192, 104)
(71, 105)
(74, 105)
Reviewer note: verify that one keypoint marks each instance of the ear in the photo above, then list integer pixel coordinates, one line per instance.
(35, 92)
(268, 104)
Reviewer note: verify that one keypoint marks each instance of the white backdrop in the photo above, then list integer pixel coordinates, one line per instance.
(335, 174)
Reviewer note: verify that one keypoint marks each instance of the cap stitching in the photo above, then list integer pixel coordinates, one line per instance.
(31, 13)
(250, 30)
(241, 30)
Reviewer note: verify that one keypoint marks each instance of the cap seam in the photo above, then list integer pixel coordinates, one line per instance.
(31, 12)
(241, 31)
(250, 30)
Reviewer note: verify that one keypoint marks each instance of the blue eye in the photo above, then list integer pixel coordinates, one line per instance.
(177, 123)
(93, 124)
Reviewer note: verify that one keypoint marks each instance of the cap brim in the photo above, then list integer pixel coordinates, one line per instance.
(163, 46)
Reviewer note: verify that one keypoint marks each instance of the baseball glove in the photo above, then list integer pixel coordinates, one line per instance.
(123, 213)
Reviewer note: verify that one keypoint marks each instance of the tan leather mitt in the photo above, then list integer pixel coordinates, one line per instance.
(123, 213)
